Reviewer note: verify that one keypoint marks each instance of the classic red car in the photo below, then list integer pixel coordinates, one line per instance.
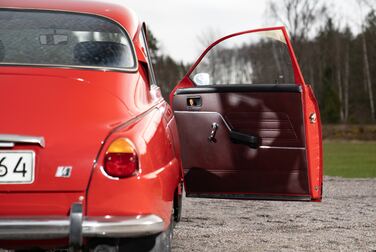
(89, 150)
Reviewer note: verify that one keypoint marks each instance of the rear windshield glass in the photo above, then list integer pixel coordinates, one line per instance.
(63, 39)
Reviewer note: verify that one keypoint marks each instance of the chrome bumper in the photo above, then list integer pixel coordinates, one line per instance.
(42, 228)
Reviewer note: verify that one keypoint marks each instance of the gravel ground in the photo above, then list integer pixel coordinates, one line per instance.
(344, 221)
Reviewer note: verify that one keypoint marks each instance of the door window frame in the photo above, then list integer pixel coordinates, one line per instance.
(299, 80)
(144, 42)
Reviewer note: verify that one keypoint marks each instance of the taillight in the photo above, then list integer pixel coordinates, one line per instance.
(121, 159)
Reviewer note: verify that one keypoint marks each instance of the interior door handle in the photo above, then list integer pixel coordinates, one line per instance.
(241, 138)
(213, 132)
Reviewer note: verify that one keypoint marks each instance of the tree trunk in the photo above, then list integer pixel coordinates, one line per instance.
(311, 73)
(367, 76)
(339, 80)
(340, 93)
(346, 83)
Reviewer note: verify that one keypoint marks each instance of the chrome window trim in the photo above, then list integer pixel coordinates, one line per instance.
(9, 138)
(72, 67)
(152, 76)
(81, 67)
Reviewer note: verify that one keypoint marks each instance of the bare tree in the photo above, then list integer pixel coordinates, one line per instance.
(370, 4)
(207, 37)
(300, 16)
(346, 83)
(366, 69)
(367, 75)
(339, 78)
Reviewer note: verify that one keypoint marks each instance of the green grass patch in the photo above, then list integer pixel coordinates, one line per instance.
(350, 159)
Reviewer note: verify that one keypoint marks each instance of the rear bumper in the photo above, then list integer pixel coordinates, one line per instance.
(54, 228)
(76, 228)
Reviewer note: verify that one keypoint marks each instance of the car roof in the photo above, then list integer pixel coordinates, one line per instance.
(114, 11)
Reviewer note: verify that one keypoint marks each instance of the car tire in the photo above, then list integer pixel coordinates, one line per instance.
(178, 204)
(156, 243)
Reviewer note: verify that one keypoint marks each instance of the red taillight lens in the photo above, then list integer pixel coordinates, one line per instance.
(120, 164)
(121, 159)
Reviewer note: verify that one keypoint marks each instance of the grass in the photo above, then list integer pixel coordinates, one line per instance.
(350, 159)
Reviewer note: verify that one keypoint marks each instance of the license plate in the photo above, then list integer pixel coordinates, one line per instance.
(17, 167)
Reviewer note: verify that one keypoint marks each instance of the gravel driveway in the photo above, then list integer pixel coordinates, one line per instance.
(344, 221)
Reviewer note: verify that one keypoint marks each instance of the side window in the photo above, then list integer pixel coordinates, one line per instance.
(250, 58)
(145, 48)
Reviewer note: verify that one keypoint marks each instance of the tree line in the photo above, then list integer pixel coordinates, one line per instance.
(339, 64)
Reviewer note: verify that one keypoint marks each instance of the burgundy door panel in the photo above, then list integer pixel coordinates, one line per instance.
(243, 117)
(273, 128)
(272, 113)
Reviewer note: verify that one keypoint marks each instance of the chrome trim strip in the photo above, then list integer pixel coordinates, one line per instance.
(36, 228)
(73, 67)
(23, 139)
(6, 145)
(106, 175)
(282, 147)
(55, 227)
(122, 226)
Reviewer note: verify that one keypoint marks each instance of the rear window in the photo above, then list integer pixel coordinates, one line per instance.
(63, 39)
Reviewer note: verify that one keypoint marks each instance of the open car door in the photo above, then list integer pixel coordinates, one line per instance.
(249, 126)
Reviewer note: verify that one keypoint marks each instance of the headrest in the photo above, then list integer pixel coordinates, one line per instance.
(2, 51)
(101, 53)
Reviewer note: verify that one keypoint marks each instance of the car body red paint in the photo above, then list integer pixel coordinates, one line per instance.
(80, 111)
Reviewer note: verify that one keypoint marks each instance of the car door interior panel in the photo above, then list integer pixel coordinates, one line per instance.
(258, 148)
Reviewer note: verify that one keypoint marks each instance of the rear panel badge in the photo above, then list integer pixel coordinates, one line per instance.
(63, 171)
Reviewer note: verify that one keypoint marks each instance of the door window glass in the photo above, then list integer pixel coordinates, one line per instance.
(251, 58)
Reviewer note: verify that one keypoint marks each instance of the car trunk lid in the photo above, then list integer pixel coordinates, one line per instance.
(72, 115)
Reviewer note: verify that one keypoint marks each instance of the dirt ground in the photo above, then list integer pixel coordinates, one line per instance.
(344, 221)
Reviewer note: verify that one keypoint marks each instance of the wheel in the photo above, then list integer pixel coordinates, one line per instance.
(154, 243)
(178, 204)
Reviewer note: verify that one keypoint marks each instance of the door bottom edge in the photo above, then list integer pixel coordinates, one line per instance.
(250, 196)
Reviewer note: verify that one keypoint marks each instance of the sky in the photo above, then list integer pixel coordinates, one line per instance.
(180, 25)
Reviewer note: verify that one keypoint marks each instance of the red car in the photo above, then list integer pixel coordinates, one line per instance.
(89, 150)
